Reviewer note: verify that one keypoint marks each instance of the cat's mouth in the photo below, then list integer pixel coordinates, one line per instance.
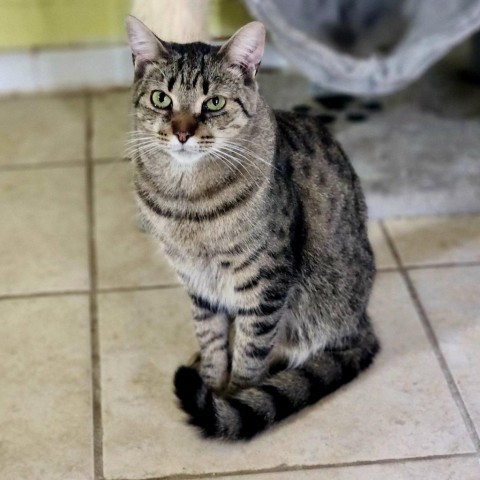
(185, 155)
(184, 150)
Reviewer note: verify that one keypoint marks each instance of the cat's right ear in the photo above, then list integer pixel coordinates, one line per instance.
(146, 46)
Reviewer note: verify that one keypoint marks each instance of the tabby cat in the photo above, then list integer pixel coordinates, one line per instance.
(262, 217)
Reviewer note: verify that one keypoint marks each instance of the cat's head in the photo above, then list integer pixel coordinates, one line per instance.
(193, 99)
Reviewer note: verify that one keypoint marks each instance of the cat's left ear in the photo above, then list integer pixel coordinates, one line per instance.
(245, 48)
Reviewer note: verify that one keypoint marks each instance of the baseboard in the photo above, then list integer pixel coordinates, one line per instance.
(79, 68)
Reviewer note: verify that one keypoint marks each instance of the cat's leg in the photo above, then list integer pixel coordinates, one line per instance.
(212, 329)
(255, 334)
(143, 223)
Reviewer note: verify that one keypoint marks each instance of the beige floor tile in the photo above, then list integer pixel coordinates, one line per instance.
(445, 469)
(125, 256)
(400, 408)
(452, 302)
(45, 400)
(111, 122)
(383, 255)
(42, 129)
(43, 232)
(429, 241)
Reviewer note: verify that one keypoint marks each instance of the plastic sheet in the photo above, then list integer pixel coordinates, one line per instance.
(366, 47)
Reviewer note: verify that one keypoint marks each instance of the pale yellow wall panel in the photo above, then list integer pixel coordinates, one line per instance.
(226, 16)
(31, 23)
(39, 23)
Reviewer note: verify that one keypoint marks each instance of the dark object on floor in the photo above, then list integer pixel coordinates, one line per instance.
(469, 76)
(326, 118)
(356, 117)
(372, 105)
(301, 108)
(335, 102)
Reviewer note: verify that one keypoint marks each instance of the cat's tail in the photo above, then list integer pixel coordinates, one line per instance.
(242, 415)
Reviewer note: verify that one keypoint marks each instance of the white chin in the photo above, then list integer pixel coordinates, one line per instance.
(185, 157)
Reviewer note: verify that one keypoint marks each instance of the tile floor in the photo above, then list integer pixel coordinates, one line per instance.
(93, 325)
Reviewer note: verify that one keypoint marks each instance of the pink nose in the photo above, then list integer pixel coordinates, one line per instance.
(183, 136)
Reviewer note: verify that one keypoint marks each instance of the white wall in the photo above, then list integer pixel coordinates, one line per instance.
(97, 67)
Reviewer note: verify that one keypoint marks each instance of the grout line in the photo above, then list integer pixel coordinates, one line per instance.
(386, 269)
(108, 160)
(59, 293)
(94, 333)
(65, 93)
(134, 288)
(61, 164)
(429, 267)
(430, 332)
(299, 468)
(138, 288)
(42, 166)
(442, 265)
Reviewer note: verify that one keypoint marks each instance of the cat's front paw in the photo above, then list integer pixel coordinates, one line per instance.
(232, 389)
(216, 383)
(238, 382)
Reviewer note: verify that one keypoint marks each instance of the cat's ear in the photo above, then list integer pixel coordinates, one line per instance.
(245, 48)
(146, 46)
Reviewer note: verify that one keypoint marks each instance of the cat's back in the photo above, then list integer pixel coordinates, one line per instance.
(307, 130)
(308, 152)
(314, 170)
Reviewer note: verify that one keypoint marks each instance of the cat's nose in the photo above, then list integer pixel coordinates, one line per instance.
(184, 126)
(183, 136)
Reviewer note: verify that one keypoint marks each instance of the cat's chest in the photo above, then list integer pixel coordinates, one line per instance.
(193, 253)
(207, 278)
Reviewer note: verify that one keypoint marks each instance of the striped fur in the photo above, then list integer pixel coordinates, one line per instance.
(249, 411)
(263, 218)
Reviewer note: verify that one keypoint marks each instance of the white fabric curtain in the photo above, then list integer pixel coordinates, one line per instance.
(366, 47)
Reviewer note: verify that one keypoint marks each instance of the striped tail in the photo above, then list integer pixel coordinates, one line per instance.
(242, 415)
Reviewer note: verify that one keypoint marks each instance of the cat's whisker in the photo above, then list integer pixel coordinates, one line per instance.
(238, 147)
(237, 166)
(246, 160)
(235, 160)
(144, 138)
(221, 156)
(138, 138)
(226, 162)
(243, 164)
(132, 138)
(140, 146)
(238, 142)
(242, 155)
(245, 150)
(150, 148)
(237, 139)
(141, 134)
(248, 151)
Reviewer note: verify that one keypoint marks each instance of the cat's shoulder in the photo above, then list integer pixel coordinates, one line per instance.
(303, 124)
(313, 145)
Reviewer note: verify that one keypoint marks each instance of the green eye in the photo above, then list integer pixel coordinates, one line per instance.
(215, 103)
(160, 99)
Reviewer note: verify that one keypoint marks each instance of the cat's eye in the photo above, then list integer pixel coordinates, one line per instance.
(160, 99)
(215, 104)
